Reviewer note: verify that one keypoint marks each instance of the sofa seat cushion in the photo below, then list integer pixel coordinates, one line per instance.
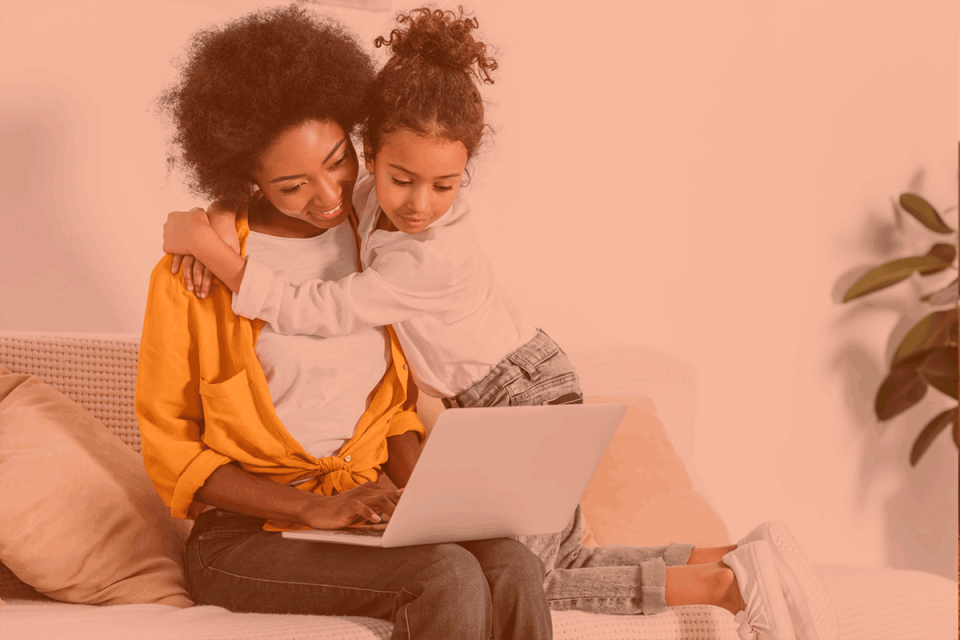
(880, 604)
(58, 621)
(891, 604)
(23, 619)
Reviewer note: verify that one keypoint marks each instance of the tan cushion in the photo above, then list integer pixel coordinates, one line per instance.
(81, 520)
(641, 493)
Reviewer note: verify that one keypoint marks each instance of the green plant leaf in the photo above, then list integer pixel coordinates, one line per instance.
(901, 389)
(939, 370)
(948, 295)
(924, 212)
(890, 274)
(931, 431)
(932, 331)
(944, 251)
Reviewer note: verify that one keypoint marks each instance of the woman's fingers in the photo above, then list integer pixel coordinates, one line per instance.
(175, 265)
(387, 505)
(363, 511)
(393, 495)
(375, 486)
(372, 502)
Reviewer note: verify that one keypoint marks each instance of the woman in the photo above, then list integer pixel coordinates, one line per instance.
(250, 432)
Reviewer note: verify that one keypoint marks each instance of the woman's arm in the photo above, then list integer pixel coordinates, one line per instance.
(233, 489)
(404, 451)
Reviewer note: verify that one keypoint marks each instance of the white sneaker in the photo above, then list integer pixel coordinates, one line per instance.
(765, 615)
(811, 607)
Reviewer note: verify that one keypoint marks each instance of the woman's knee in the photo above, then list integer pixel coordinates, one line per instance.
(456, 571)
(509, 566)
(523, 568)
(450, 592)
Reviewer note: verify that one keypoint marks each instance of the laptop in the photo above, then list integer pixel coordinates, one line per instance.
(493, 472)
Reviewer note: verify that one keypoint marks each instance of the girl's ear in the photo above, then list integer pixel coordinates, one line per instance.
(368, 159)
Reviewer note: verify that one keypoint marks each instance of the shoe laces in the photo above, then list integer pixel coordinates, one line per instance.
(750, 624)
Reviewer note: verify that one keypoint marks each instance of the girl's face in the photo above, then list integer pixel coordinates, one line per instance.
(416, 176)
(308, 173)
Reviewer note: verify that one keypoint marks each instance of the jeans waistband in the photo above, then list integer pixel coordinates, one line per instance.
(217, 518)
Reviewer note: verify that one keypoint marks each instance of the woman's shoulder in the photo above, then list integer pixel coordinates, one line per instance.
(167, 298)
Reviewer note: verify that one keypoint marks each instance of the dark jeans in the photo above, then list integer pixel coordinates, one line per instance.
(470, 590)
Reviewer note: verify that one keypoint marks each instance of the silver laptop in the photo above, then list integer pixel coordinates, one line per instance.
(492, 473)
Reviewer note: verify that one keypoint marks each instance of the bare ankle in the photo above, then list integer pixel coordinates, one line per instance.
(729, 590)
(713, 583)
(706, 555)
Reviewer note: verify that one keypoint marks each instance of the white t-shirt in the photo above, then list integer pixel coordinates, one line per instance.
(436, 288)
(319, 386)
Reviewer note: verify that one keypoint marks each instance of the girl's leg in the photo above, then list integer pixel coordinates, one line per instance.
(428, 591)
(564, 551)
(612, 578)
(707, 555)
(629, 580)
(707, 583)
(645, 589)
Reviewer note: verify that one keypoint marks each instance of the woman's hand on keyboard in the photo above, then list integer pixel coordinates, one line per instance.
(369, 501)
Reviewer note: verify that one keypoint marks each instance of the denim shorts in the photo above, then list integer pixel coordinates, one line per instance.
(538, 372)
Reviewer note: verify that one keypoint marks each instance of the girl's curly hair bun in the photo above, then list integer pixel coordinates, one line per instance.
(440, 37)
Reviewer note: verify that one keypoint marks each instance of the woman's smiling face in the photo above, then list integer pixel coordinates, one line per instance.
(308, 173)
(417, 177)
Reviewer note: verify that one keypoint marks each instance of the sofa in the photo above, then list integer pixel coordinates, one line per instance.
(58, 579)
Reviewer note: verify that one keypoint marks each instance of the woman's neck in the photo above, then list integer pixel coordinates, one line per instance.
(264, 218)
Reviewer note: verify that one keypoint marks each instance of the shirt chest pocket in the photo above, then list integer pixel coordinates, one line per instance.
(229, 410)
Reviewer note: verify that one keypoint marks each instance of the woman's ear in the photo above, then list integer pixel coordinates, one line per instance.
(368, 159)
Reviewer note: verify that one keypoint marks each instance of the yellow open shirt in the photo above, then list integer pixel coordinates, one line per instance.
(202, 401)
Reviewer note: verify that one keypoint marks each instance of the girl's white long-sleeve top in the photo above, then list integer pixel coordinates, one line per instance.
(435, 287)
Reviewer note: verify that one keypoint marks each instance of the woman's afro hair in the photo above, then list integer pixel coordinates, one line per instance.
(245, 82)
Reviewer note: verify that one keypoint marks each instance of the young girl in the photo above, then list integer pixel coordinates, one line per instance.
(425, 274)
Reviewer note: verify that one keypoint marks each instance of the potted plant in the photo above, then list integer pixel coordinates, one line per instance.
(927, 355)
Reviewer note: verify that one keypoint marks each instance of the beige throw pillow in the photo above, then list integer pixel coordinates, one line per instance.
(81, 520)
(641, 493)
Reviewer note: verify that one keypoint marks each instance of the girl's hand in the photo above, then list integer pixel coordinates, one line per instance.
(366, 502)
(223, 221)
(181, 230)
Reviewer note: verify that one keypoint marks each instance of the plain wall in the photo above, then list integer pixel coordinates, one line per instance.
(701, 177)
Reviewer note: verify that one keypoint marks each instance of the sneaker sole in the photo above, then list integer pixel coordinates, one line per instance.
(817, 607)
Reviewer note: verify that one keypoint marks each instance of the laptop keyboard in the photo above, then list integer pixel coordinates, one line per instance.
(357, 531)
